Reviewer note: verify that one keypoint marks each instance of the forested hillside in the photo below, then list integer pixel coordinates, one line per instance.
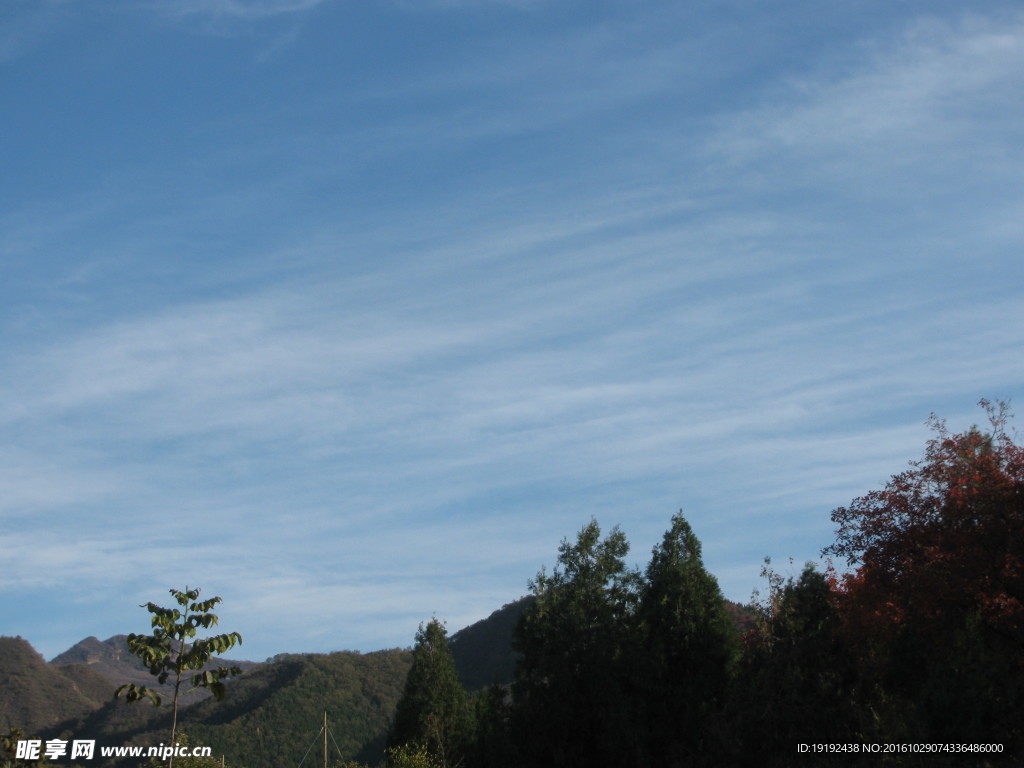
(276, 713)
(35, 695)
(112, 660)
(273, 713)
(483, 652)
(269, 711)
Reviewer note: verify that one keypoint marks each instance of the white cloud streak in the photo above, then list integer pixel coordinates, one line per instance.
(435, 395)
(246, 10)
(939, 89)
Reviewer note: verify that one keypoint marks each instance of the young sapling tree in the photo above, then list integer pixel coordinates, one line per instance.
(173, 652)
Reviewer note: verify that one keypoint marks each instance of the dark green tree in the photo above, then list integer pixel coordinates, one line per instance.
(689, 647)
(572, 696)
(434, 710)
(796, 677)
(173, 652)
(493, 744)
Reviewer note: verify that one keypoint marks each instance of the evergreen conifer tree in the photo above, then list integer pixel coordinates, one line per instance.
(795, 677)
(571, 693)
(689, 648)
(434, 709)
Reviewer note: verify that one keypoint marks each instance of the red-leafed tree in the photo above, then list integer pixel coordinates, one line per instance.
(936, 597)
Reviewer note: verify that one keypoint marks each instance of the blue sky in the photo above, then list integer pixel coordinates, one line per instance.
(349, 312)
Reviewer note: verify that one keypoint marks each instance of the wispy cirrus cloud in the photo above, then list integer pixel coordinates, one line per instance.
(935, 86)
(409, 334)
(245, 10)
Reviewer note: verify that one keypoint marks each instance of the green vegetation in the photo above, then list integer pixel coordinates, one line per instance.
(571, 691)
(687, 651)
(35, 695)
(795, 679)
(413, 756)
(169, 654)
(433, 712)
(9, 748)
(271, 716)
(620, 667)
(483, 651)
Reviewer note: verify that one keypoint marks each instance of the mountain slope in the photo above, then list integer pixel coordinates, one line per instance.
(112, 659)
(35, 696)
(483, 651)
(271, 715)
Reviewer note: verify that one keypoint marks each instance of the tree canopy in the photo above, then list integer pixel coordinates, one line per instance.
(169, 653)
(574, 645)
(433, 715)
(688, 649)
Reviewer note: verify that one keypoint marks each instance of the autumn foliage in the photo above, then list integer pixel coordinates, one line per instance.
(934, 608)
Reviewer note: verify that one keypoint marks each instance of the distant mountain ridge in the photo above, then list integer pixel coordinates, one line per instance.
(483, 651)
(273, 713)
(269, 713)
(112, 659)
(92, 651)
(36, 695)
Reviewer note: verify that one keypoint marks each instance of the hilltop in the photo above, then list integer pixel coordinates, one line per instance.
(272, 709)
(270, 713)
(35, 695)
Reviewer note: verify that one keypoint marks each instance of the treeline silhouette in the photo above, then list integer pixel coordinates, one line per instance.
(912, 654)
